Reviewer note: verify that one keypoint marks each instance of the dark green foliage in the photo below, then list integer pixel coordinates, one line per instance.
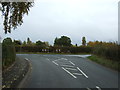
(63, 41)
(29, 42)
(81, 49)
(54, 49)
(83, 41)
(8, 53)
(104, 49)
(29, 48)
(17, 42)
(13, 13)
(40, 43)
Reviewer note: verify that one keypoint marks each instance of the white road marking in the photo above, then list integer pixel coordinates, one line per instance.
(88, 89)
(77, 73)
(60, 59)
(57, 60)
(64, 58)
(98, 88)
(26, 58)
(48, 59)
(71, 69)
(67, 65)
(72, 63)
(55, 63)
(69, 72)
(82, 72)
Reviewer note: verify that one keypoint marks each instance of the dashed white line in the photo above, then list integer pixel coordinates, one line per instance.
(72, 63)
(69, 72)
(82, 72)
(67, 65)
(98, 88)
(71, 69)
(55, 63)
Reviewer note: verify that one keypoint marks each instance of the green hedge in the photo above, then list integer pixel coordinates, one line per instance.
(8, 53)
(109, 52)
(54, 49)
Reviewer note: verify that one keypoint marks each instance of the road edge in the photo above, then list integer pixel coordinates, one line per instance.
(23, 81)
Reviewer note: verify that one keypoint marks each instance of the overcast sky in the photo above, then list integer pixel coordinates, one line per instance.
(94, 19)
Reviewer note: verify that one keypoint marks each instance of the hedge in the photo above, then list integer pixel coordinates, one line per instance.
(8, 53)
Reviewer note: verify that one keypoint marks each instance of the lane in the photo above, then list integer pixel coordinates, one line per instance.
(62, 71)
(98, 74)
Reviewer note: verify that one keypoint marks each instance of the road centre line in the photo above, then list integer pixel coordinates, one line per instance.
(55, 63)
(67, 65)
(72, 63)
(69, 72)
(71, 69)
(98, 88)
(82, 72)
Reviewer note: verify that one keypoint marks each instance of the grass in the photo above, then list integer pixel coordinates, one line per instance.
(105, 62)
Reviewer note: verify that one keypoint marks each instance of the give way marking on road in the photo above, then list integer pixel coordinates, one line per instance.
(70, 66)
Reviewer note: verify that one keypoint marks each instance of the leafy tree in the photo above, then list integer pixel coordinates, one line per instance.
(24, 43)
(63, 41)
(17, 42)
(83, 41)
(76, 45)
(47, 43)
(29, 42)
(43, 44)
(7, 41)
(13, 13)
(56, 41)
(39, 43)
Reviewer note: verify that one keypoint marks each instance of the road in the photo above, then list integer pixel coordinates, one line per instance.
(68, 71)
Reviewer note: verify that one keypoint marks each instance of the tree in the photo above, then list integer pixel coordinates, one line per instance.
(29, 41)
(39, 43)
(56, 41)
(47, 43)
(76, 45)
(63, 41)
(83, 41)
(42, 44)
(13, 13)
(24, 43)
(17, 42)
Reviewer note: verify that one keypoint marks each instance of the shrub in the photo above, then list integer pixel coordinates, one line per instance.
(8, 53)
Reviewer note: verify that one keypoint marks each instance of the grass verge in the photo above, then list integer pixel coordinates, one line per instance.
(105, 62)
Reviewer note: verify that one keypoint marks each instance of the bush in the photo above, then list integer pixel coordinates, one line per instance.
(8, 53)
(54, 49)
(109, 51)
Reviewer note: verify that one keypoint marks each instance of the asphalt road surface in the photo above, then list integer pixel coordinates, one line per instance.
(68, 71)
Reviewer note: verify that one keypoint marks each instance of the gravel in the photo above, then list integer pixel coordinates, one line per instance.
(13, 76)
